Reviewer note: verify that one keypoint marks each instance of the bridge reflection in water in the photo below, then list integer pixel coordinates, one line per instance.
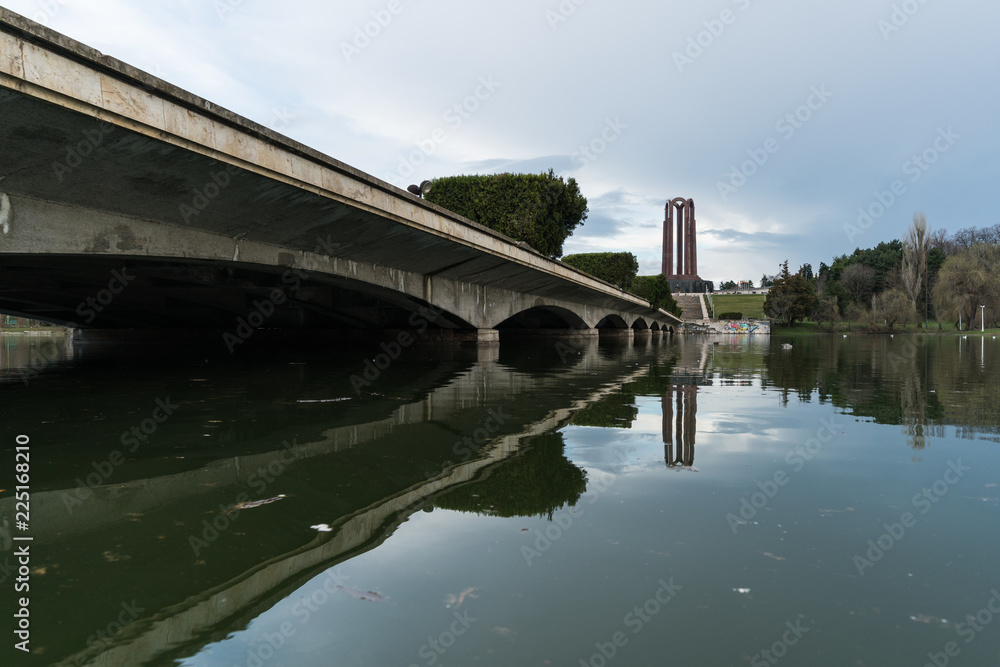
(158, 526)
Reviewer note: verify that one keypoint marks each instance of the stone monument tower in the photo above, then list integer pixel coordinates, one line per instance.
(680, 263)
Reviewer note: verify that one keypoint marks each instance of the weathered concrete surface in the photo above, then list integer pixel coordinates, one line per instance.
(108, 169)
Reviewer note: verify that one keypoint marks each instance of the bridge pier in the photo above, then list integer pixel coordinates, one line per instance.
(612, 332)
(548, 333)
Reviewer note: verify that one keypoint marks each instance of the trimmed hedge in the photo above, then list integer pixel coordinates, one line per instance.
(730, 316)
(617, 268)
(538, 209)
(656, 290)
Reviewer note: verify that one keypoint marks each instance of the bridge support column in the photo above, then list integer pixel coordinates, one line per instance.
(487, 336)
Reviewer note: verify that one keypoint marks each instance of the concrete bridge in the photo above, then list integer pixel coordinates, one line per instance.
(128, 203)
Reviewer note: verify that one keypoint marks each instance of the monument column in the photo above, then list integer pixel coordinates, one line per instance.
(668, 240)
(680, 244)
(694, 247)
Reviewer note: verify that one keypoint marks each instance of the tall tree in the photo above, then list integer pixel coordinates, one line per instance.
(914, 268)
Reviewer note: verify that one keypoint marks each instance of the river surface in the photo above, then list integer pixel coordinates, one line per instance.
(695, 501)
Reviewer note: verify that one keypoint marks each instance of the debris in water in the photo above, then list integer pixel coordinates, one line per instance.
(369, 596)
(322, 400)
(742, 591)
(771, 555)
(933, 620)
(257, 503)
(457, 601)
(322, 527)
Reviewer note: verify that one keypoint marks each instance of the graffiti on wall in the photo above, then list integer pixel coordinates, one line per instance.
(742, 327)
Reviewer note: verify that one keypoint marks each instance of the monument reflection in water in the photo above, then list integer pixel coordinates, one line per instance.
(680, 424)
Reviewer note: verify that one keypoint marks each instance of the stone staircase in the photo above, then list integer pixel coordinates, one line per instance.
(692, 307)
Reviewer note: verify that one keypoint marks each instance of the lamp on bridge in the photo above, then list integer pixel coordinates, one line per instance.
(420, 190)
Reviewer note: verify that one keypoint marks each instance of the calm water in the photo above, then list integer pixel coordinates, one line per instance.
(676, 502)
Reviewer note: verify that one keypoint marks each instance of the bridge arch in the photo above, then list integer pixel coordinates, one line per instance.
(543, 317)
(612, 321)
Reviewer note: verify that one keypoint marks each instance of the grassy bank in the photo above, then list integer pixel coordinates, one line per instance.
(751, 305)
(946, 329)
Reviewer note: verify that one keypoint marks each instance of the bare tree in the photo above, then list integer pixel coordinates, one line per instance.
(914, 270)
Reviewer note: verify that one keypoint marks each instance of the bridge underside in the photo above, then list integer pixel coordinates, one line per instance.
(107, 222)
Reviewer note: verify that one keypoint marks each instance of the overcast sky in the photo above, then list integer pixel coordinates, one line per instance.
(780, 119)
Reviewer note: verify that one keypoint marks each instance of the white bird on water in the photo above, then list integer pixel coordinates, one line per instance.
(786, 346)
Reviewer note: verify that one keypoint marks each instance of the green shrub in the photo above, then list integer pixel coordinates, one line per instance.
(538, 209)
(617, 268)
(730, 316)
(656, 290)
